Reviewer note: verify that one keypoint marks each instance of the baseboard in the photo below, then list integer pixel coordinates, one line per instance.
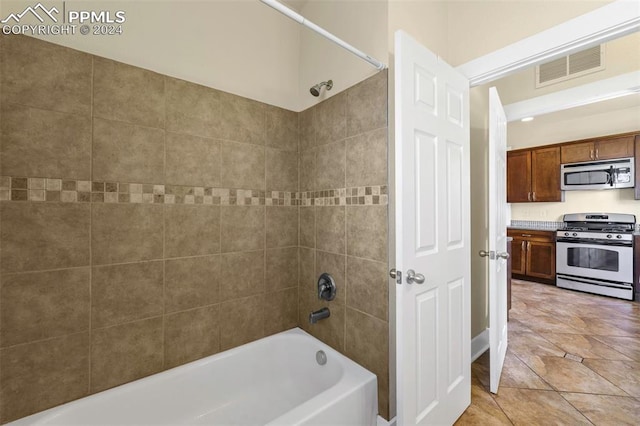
(479, 344)
(383, 422)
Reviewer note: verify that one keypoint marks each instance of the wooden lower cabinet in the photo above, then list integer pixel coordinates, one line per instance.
(533, 255)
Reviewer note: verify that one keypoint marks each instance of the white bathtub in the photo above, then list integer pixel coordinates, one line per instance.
(272, 381)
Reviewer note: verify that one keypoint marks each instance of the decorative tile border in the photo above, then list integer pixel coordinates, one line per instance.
(72, 191)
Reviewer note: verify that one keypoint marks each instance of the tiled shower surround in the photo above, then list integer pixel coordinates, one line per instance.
(147, 222)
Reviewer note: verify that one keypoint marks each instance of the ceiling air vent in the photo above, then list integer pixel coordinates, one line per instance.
(572, 66)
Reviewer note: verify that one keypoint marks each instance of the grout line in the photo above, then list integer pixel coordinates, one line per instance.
(91, 150)
(575, 408)
(164, 230)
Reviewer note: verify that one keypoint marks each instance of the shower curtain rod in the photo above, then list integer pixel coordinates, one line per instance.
(290, 13)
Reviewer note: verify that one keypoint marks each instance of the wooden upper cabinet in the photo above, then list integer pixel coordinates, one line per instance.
(604, 149)
(545, 174)
(518, 176)
(577, 152)
(614, 148)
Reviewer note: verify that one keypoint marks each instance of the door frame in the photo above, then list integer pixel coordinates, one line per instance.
(606, 23)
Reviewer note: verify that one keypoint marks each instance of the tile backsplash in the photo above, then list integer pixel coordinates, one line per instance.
(130, 202)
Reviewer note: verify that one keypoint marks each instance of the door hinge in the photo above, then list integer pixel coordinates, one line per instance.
(396, 275)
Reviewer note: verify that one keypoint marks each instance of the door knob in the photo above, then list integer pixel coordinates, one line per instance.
(503, 255)
(490, 254)
(412, 277)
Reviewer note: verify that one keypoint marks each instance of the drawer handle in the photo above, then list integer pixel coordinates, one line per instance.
(526, 235)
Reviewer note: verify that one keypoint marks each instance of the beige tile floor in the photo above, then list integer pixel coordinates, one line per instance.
(573, 359)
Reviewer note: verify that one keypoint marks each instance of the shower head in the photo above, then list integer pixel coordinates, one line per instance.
(315, 90)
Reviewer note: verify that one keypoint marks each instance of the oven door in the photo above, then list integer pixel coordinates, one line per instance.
(596, 261)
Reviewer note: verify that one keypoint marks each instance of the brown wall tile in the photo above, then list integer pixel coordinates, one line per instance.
(282, 268)
(191, 160)
(44, 236)
(282, 226)
(191, 230)
(242, 228)
(45, 75)
(125, 232)
(367, 105)
(367, 232)
(126, 152)
(330, 230)
(281, 128)
(126, 93)
(40, 305)
(241, 119)
(368, 288)
(191, 282)
(367, 343)
(329, 330)
(282, 308)
(191, 335)
(307, 171)
(241, 321)
(367, 159)
(334, 265)
(126, 352)
(37, 142)
(241, 275)
(330, 166)
(40, 375)
(125, 293)
(330, 119)
(307, 129)
(307, 233)
(282, 170)
(192, 109)
(242, 166)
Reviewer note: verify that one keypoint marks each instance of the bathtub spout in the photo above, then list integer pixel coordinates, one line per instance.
(316, 316)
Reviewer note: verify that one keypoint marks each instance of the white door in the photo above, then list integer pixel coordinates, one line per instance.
(433, 341)
(497, 237)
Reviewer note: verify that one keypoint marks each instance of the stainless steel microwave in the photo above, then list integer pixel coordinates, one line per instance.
(606, 174)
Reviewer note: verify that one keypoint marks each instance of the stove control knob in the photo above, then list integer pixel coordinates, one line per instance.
(566, 234)
(609, 236)
(575, 234)
(618, 236)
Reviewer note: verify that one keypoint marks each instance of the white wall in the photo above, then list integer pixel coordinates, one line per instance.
(239, 46)
(476, 28)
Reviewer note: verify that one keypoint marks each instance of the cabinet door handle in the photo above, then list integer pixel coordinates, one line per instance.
(597, 154)
(529, 196)
(591, 155)
(528, 245)
(534, 195)
(523, 246)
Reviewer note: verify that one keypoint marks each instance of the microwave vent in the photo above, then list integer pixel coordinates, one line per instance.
(568, 67)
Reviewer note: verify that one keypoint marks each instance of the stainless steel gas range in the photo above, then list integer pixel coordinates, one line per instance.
(594, 253)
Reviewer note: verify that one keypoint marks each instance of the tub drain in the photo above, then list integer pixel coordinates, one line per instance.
(321, 357)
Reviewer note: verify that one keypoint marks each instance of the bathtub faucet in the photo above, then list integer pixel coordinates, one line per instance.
(316, 316)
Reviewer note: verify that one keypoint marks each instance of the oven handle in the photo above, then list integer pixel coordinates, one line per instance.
(595, 242)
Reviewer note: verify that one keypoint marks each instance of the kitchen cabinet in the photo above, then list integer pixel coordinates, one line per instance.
(598, 149)
(533, 255)
(533, 175)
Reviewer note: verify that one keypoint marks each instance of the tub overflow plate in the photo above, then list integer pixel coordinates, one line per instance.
(321, 357)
